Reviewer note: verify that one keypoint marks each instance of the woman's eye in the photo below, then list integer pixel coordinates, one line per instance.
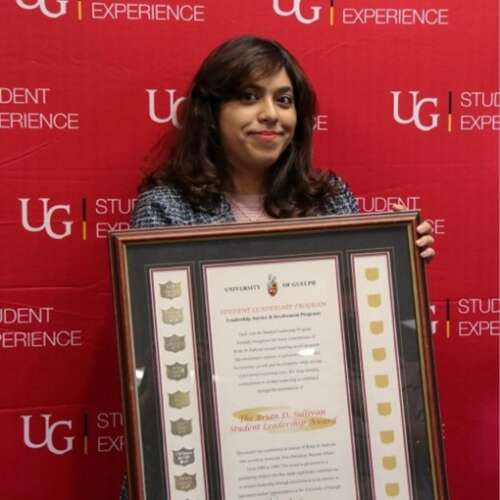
(248, 97)
(286, 100)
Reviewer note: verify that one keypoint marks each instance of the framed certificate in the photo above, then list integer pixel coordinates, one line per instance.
(278, 360)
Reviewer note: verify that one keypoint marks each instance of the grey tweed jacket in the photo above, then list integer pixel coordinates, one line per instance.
(165, 206)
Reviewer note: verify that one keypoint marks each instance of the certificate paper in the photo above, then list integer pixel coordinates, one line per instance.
(381, 377)
(179, 395)
(284, 427)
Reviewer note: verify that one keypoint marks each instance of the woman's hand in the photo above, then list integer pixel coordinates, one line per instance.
(425, 239)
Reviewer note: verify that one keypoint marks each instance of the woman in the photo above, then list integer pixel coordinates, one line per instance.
(244, 151)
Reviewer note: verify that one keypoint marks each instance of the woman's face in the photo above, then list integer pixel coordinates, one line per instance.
(259, 124)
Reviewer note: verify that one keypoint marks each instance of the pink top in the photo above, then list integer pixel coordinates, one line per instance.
(248, 207)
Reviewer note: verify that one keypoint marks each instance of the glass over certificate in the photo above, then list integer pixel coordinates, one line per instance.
(277, 344)
(287, 360)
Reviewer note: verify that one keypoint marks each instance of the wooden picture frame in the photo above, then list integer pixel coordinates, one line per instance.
(285, 359)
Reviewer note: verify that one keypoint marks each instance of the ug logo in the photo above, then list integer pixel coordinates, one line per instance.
(417, 105)
(50, 428)
(48, 213)
(296, 10)
(42, 5)
(173, 106)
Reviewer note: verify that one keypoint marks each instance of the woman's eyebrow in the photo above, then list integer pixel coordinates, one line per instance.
(256, 86)
(285, 89)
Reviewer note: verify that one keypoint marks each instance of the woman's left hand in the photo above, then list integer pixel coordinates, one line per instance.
(425, 239)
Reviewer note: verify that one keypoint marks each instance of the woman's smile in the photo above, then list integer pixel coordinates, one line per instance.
(267, 136)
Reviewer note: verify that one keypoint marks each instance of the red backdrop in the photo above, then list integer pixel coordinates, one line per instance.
(409, 109)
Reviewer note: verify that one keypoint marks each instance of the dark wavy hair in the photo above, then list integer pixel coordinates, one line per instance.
(197, 165)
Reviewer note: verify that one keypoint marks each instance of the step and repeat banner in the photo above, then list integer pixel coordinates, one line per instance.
(408, 112)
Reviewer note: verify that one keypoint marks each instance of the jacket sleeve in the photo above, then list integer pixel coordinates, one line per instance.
(124, 489)
(344, 202)
(154, 208)
(151, 209)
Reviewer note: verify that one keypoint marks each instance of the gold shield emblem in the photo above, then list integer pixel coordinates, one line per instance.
(181, 427)
(184, 456)
(372, 273)
(178, 399)
(374, 299)
(177, 371)
(186, 482)
(175, 343)
(172, 315)
(170, 290)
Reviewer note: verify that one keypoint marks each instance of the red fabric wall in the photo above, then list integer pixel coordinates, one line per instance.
(82, 87)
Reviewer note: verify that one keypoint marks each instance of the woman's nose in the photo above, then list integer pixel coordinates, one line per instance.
(268, 110)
